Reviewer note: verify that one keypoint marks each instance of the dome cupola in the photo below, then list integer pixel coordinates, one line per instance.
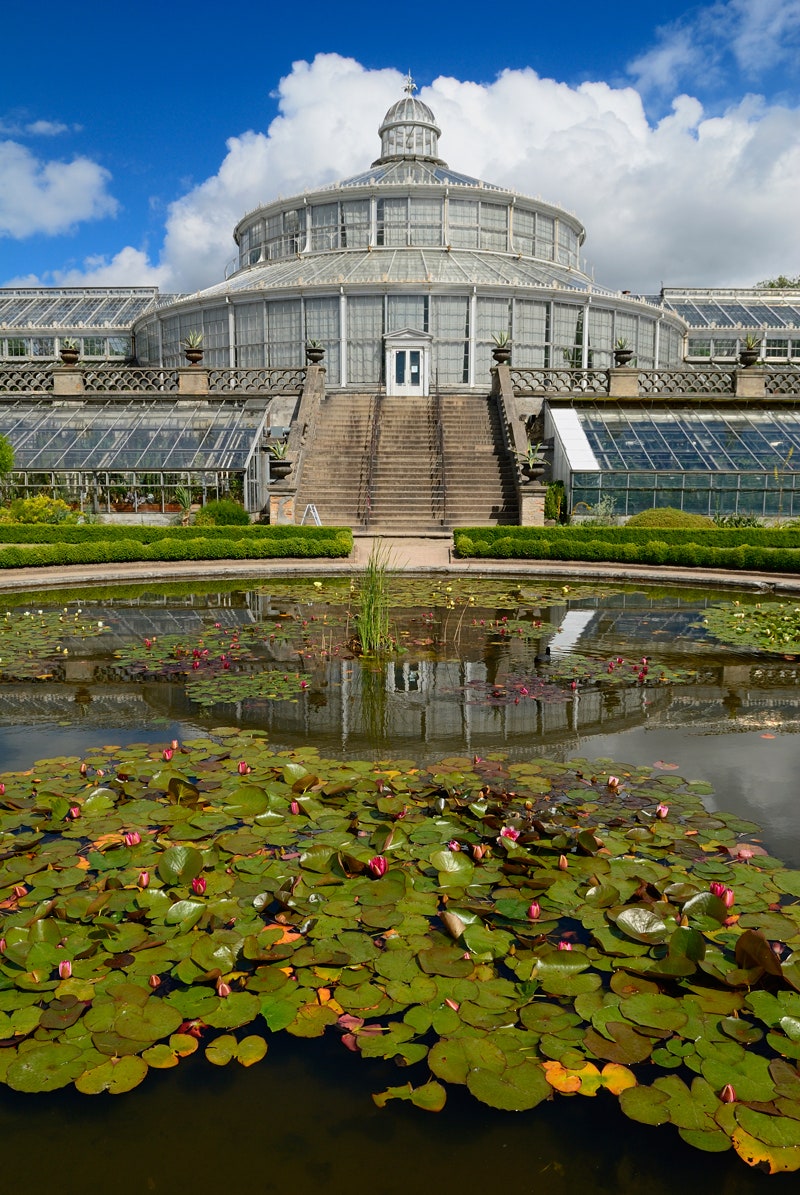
(409, 130)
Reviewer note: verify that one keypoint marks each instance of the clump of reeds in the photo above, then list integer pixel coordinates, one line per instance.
(372, 610)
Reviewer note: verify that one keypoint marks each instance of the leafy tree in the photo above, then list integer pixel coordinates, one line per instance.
(780, 283)
(6, 456)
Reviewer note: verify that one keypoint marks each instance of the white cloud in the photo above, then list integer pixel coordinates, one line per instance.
(39, 196)
(692, 200)
(751, 36)
(119, 270)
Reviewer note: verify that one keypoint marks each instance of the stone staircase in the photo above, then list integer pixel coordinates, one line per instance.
(381, 462)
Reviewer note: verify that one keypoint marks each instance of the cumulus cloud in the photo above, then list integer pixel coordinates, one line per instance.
(694, 199)
(752, 36)
(39, 196)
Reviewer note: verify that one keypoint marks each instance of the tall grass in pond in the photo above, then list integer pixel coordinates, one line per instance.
(372, 605)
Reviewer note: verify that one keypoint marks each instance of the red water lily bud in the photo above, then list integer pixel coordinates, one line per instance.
(294, 807)
(378, 866)
(563, 862)
(534, 910)
(2, 789)
(74, 813)
(144, 879)
(454, 845)
(64, 969)
(132, 838)
(565, 946)
(223, 989)
(198, 885)
(155, 981)
(243, 768)
(662, 811)
(82, 769)
(166, 754)
(728, 1094)
(2, 945)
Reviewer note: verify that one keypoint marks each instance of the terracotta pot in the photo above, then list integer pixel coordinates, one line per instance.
(193, 356)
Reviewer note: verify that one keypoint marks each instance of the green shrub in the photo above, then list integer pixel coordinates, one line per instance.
(668, 516)
(554, 501)
(39, 509)
(222, 512)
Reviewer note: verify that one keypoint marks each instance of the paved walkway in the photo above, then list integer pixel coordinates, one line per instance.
(406, 553)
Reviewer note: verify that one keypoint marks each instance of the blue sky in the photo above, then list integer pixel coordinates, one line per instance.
(133, 138)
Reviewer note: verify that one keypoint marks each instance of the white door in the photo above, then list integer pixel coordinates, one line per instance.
(407, 374)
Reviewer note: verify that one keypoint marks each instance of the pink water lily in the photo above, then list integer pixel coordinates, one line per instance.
(509, 832)
(378, 866)
(612, 782)
(132, 838)
(563, 862)
(144, 879)
(565, 946)
(454, 845)
(166, 754)
(198, 885)
(223, 989)
(725, 894)
(74, 813)
(662, 811)
(728, 1094)
(64, 969)
(243, 767)
(534, 910)
(155, 981)
(294, 807)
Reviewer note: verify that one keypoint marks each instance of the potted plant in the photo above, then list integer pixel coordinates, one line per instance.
(751, 346)
(192, 345)
(69, 351)
(532, 461)
(502, 348)
(279, 464)
(622, 354)
(315, 351)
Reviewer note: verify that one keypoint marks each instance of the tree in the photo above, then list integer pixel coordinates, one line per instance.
(6, 457)
(779, 283)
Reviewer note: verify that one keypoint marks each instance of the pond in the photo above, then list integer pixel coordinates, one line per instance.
(532, 671)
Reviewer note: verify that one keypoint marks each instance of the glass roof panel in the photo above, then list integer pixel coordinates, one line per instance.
(693, 440)
(123, 437)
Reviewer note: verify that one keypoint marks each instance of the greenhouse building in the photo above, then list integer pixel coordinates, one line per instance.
(408, 348)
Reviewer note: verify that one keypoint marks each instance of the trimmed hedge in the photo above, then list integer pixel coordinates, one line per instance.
(290, 542)
(49, 533)
(717, 537)
(692, 549)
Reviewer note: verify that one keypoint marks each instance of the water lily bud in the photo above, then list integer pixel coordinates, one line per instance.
(82, 769)
(133, 838)
(662, 811)
(294, 807)
(728, 897)
(378, 866)
(452, 1004)
(453, 845)
(198, 885)
(2, 945)
(223, 989)
(2, 790)
(166, 754)
(728, 1094)
(478, 851)
(612, 782)
(509, 832)
(534, 911)
(19, 891)
(144, 879)
(175, 744)
(74, 813)
(565, 946)
(563, 862)
(243, 768)
(155, 981)
(64, 969)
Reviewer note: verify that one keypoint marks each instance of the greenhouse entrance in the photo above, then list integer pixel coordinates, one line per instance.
(408, 363)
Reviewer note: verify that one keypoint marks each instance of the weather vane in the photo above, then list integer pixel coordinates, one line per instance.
(410, 86)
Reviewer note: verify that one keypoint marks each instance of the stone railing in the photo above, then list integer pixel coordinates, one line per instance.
(628, 382)
(288, 380)
(126, 379)
(26, 379)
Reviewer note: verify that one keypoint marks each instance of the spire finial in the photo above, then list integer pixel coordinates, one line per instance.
(410, 86)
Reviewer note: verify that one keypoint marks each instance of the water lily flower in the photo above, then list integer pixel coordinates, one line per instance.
(74, 813)
(612, 782)
(243, 768)
(2, 945)
(565, 946)
(166, 754)
(662, 810)
(454, 845)
(144, 879)
(378, 866)
(132, 838)
(2, 790)
(534, 910)
(509, 832)
(64, 969)
(198, 885)
(563, 862)
(726, 895)
(728, 1094)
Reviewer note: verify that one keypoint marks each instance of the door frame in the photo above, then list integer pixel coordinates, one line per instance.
(405, 340)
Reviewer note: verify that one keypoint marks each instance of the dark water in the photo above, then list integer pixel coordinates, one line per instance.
(303, 1119)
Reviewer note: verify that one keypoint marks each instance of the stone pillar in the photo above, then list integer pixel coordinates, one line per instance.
(623, 381)
(749, 383)
(67, 380)
(281, 506)
(531, 504)
(192, 380)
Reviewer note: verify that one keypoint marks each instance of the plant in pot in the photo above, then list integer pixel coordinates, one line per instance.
(502, 348)
(751, 347)
(192, 345)
(315, 351)
(622, 353)
(69, 351)
(532, 462)
(279, 464)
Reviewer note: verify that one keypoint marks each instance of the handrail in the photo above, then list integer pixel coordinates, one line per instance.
(440, 467)
(374, 441)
